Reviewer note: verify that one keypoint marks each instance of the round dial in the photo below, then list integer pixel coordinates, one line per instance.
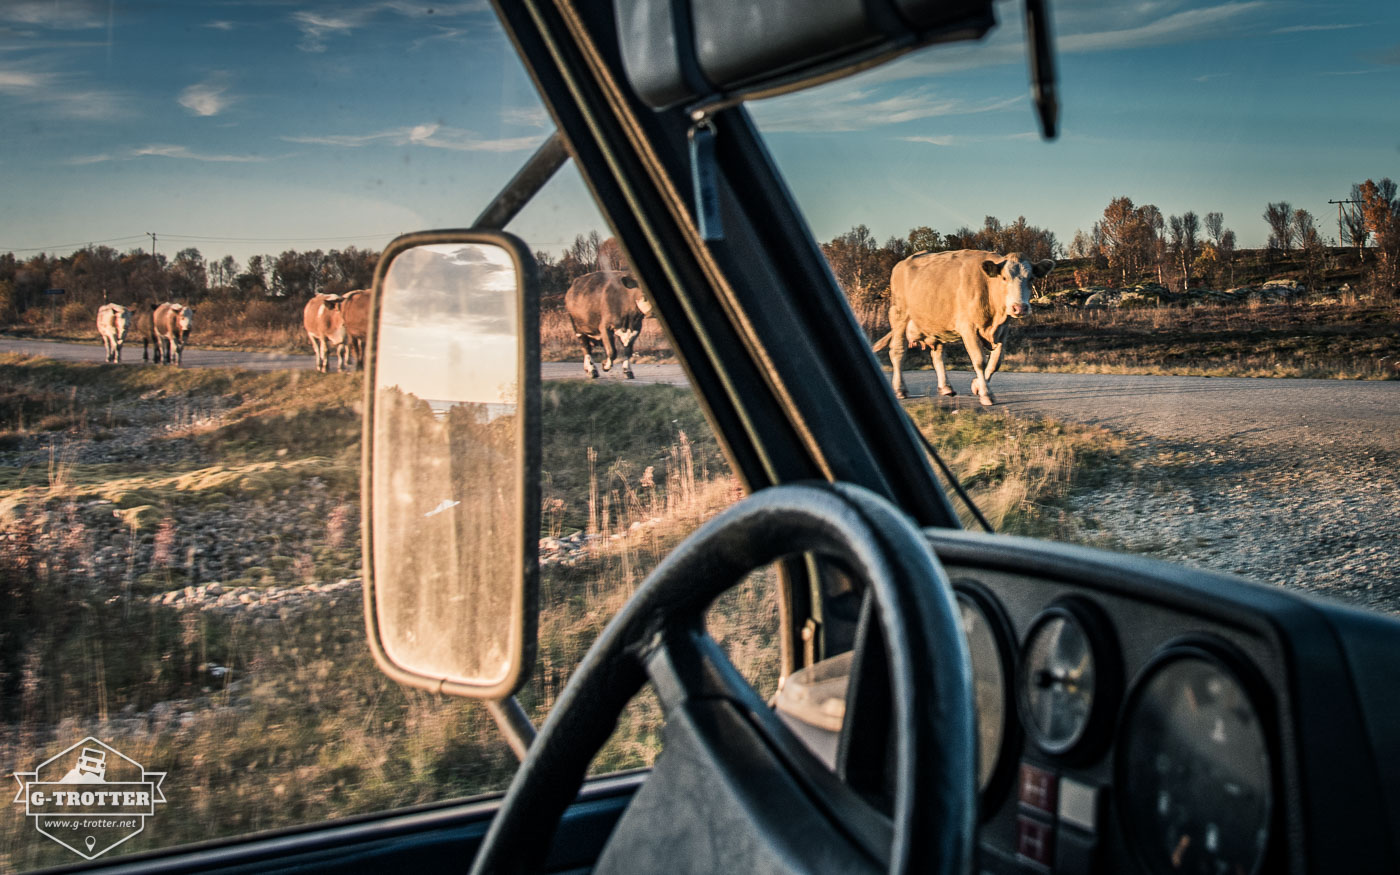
(1060, 681)
(1196, 793)
(988, 686)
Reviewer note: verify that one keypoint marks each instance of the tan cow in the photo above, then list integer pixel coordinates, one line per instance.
(968, 295)
(604, 306)
(168, 329)
(326, 327)
(355, 311)
(113, 322)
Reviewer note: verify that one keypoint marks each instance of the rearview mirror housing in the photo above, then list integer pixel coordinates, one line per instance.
(451, 453)
(678, 52)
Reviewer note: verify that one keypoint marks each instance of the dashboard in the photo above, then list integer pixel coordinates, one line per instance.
(1141, 717)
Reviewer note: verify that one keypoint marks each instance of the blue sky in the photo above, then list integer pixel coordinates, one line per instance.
(250, 126)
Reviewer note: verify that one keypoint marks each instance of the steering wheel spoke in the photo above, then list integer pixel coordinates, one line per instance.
(733, 790)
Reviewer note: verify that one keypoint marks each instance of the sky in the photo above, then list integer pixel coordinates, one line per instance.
(255, 126)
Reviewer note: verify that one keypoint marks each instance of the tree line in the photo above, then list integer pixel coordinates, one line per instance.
(96, 274)
(1128, 243)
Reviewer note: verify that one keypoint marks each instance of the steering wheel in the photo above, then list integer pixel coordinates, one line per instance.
(732, 790)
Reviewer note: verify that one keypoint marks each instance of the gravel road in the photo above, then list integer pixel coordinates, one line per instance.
(1289, 481)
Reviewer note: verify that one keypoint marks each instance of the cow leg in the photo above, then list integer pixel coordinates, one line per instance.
(588, 367)
(145, 349)
(117, 352)
(626, 337)
(979, 382)
(941, 369)
(994, 360)
(899, 323)
(608, 348)
(179, 352)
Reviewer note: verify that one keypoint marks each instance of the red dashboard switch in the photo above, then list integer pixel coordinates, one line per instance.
(1035, 841)
(1038, 788)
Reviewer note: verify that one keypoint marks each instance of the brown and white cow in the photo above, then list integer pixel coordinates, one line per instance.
(354, 310)
(113, 322)
(604, 306)
(169, 330)
(325, 325)
(968, 295)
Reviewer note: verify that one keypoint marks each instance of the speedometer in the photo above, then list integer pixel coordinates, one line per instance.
(1194, 770)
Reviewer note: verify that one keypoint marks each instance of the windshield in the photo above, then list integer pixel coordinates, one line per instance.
(1205, 374)
(1203, 368)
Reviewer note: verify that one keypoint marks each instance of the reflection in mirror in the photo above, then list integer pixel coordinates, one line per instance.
(448, 505)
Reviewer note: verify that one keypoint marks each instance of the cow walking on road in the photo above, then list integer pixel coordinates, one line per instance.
(606, 307)
(325, 325)
(113, 322)
(168, 330)
(354, 310)
(968, 295)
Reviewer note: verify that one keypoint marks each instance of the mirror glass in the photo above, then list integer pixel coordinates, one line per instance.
(447, 501)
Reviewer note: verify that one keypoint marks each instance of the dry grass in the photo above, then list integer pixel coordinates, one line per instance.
(297, 725)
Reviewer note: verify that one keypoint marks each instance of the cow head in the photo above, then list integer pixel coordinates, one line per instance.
(1014, 275)
(123, 317)
(184, 318)
(628, 281)
(332, 302)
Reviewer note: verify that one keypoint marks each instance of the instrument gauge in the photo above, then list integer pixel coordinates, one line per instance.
(1068, 677)
(988, 643)
(1194, 770)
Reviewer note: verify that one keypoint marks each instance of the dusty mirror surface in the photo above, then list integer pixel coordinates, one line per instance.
(446, 469)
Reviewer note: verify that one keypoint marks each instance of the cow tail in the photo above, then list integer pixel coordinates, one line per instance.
(883, 342)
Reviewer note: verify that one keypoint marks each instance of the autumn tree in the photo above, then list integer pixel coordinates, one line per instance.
(857, 266)
(925, 239)
(1184, 231)
(1381, 209)
(1354, 231)
(1127, 235)
(1280, 218)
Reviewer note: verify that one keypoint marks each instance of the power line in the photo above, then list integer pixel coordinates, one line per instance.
(81, 245)
(198, 238)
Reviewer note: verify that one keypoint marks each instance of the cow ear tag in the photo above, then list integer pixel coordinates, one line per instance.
(705, 179)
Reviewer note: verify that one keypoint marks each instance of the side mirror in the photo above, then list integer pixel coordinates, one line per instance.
(451, 450)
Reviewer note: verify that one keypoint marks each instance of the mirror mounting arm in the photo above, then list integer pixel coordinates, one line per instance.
(526, 183)
(514, 724)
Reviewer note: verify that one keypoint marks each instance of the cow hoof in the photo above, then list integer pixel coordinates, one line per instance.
(947, 391)
(986, 399)
(607, 366)
(630, 375)
(593, 374)
(901, 394)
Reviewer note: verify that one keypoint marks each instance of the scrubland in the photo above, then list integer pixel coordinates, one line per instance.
(179, 565)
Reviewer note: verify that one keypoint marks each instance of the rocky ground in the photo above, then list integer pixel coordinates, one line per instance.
(1322, 522)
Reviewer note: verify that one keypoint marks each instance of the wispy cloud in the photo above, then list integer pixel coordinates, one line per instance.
(319, 26)
(160, 150)
(1308, 28)
(20, 82)
(526, 116)
(857, 109)
(950, 140)
(207, 98)
(1185, 26)
(60, 97)
(221, 25)
(429, 135)
(76, 15)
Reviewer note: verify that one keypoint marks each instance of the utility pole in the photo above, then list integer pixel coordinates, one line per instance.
(1339, 218)
(152, 235)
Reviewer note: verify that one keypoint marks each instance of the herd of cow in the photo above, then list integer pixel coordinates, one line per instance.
(335, 324)
(935, 298)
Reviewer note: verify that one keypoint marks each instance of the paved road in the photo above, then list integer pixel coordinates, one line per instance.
(1349, 415)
